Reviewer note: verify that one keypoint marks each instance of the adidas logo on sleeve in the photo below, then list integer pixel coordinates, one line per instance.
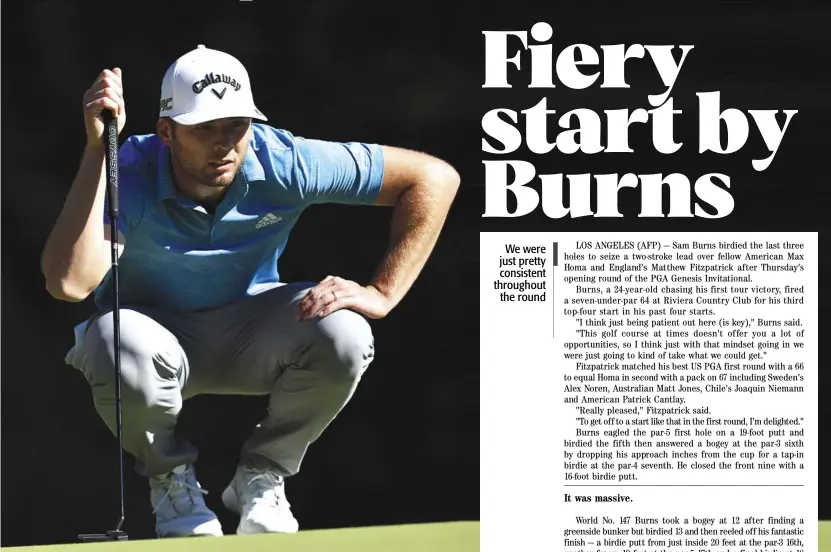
(268, 219)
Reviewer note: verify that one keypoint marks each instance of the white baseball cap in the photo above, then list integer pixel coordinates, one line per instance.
(204, 85)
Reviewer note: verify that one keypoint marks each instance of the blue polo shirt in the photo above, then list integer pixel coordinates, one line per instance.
(178, 256)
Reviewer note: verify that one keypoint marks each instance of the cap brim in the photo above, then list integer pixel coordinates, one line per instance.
(199, 117)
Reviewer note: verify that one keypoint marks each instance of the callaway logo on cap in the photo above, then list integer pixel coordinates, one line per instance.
(204, 85)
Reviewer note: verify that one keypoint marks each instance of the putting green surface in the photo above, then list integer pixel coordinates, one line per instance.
(824, 541)
(432, 537)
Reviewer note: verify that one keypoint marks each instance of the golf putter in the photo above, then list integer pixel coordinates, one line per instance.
(111, 141)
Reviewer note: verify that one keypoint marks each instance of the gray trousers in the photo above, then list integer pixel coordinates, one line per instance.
(254, 346)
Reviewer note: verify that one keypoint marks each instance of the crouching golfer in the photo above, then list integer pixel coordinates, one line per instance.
(207, 204)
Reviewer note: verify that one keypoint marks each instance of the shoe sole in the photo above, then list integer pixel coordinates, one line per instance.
(208, 529)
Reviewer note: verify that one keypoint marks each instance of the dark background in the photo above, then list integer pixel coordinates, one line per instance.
(406, 449)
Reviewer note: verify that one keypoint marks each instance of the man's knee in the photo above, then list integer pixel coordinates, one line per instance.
(150, 356)
(344, 338)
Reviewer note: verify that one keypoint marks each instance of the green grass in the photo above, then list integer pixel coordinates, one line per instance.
(431, 537)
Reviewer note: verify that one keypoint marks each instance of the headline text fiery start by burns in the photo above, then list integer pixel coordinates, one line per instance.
(579, 67)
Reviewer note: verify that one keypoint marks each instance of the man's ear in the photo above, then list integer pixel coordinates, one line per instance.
(164, 130)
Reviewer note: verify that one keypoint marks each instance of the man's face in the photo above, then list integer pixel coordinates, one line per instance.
(212, 152)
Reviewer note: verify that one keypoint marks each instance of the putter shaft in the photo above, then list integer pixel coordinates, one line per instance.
(111, 141)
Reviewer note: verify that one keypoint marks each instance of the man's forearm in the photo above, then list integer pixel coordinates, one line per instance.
(418, 216)
(74, 258)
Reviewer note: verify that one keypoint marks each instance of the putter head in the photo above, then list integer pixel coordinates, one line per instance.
(114, 535)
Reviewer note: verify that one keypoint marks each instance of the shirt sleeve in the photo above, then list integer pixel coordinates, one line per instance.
(131, 172)
(338, 172)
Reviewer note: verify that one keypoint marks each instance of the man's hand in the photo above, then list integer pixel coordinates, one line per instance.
(105, 93)
(334, 293)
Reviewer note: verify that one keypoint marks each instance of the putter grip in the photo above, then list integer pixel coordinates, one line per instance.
(111, 140)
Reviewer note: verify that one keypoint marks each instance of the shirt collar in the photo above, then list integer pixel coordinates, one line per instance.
(164, 175)
(251, 170)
